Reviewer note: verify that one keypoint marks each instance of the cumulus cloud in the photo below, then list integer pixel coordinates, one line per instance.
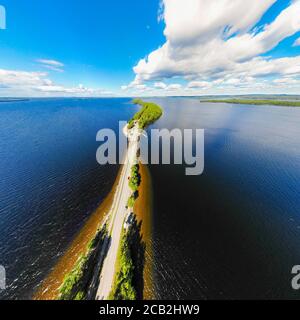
(217, 40)
(14, 78)
(287, 81)
(199, 84)
(24, 83)
(174, 86)
(160, 85)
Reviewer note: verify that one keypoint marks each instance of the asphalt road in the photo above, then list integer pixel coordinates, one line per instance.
(117, 217)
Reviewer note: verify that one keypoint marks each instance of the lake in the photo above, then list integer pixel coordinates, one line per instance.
(232, 232)
(50, 180)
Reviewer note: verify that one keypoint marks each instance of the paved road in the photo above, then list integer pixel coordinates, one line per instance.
(118, 214)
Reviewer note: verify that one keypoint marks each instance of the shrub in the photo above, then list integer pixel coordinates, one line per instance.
(149, 113)
(135, 178)
(123, 287)
(131, 201)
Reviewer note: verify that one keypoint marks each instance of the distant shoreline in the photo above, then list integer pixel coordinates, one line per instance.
(14, 100)
(281, 103)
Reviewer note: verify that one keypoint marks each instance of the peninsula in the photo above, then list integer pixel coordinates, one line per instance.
(107, 267)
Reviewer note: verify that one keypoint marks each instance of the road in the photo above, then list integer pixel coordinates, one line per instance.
(117, 216)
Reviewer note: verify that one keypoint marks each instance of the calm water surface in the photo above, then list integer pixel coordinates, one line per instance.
(233, 232)
(50, 180)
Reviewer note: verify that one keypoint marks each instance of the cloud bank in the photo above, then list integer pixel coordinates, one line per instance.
(216, 43)
(24, 83)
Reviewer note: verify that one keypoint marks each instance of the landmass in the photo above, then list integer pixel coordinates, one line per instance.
(107, 259)
(283, 103)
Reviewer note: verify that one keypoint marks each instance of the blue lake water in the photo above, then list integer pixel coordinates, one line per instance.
(233, 232)
(50, 180)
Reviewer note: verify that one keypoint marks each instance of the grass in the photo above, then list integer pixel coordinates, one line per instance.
(74, 285)
(68, 290)
(149, 113)
(123, 288)
(283, 103)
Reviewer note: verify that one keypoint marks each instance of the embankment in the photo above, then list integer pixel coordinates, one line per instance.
(143, 211)
(48, 290)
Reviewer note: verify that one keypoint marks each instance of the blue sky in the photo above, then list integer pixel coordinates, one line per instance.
(137, 47)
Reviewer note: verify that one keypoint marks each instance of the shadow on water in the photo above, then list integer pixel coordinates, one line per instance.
(93, 277)
(138, 248)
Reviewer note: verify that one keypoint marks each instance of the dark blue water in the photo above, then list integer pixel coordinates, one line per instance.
(233, 232)
(50, 180)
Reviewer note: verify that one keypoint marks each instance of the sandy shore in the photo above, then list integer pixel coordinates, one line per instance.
(48, 290)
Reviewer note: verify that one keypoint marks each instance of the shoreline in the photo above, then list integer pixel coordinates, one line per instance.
(256, 102)
(143, 210)
(48, 289)
(143, 214)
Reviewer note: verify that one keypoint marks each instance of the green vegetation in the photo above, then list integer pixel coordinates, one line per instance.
(75, 283)
(134, 183)
(72, 280)
(129, 283)
(131, 200)
(123, 288)
(80, 296)
(135, 178)
(149, 113)
(284, 103)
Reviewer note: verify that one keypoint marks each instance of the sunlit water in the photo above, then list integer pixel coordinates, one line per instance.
(233, 232)
(50, 180)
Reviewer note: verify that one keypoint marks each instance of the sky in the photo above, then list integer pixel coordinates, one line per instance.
(149, 48)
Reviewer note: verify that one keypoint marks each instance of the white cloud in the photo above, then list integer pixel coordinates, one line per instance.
(23, 78)
(52, 65)
(286, 81)
(296, 43)
(198, 84)
(141, 87)
(160, 85)
(24, 83)
(135, 85)
(215, 40)
(174, 86)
